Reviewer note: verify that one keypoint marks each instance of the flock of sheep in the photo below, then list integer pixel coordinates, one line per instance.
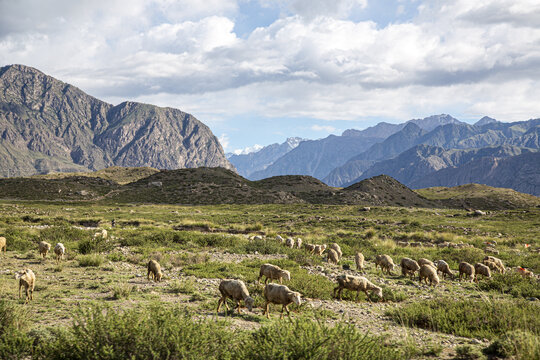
(281, 294)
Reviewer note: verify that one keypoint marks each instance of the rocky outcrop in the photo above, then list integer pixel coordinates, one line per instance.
(47, 125)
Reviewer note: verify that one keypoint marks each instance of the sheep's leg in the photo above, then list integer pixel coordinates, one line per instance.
(339, 293)
(27, 296)
(20, 285)
(281, 280)
(281, 316)
(32, 293)
(367, 296)
(238, 306)
(219, 304)
(148, 275)
(288, 312)
(337, 287)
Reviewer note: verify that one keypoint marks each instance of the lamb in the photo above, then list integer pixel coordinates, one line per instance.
(332, 256)
(466, 269)
(155, 269)
(385, 262)
(27, 279)
(299, 243)
(493, 266)
(59, 251)
(428, 272)
(497, 261)
(423, 261)
(356, 283)
(359, 260)
(443, 267)
(481, 269)
(409, 267)
(44, 248)
(237, 291)
(281, 295)
(290, 242)
(337, 249)
(273, 272)
(319, 249)
(3, 244)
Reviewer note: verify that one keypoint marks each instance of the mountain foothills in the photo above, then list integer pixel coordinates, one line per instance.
(47, 125)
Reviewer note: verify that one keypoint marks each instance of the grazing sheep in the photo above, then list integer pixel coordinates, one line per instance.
(481, 269)
(493, 266)
(443, 244)
(319, 249)
(491, 250)
(415, 244)
(496, 261)
(237, 291)
(337, 249)
(44, 248)
(310, 248)
(272, 272)
(280, 239)
(332, 256)
(27, 279)
(59, 251)
(426, 262)
(524, 272)
(155, 269)
(3, 244)
(409, 267)
(290, 242)
(430, 245)
(102, 234)
(385, 262)
(428, 272)
(466, 269)
(402, 243)
(443, 267)
(356, 283)
(280, 295)
(299, 243)
(359, 260)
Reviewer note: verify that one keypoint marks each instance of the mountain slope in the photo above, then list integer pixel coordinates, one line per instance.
(47, 125)
(246, 164)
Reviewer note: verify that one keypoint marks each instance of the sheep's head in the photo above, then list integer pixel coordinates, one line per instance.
(286, 275)
(249, 302)
(296, 298)
(378, 292)
(159, 275)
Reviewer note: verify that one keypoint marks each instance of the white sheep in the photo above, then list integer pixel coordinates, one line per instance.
(332, 256)
(337, 249)
(59, 251)
(444, 268)
(273, 272)
(359, 260)
(44, 248)
(466, 269)
(3, 245)
(237, 291)
(385, 262)
(356, 283)
(428, 272)
(409, 267)
(299, 243)
(280, 295)
(424, 261)
(102, 234)
(481, 269)
(289, 242)
(154, 269)
(26, 278)
(280, 239)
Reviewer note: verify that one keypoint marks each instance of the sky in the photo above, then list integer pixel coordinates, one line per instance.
(259, 71)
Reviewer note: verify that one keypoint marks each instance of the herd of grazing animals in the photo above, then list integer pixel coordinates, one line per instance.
(237, 291)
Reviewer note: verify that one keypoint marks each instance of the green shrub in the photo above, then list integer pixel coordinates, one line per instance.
(470, 318)
(184, 286)
(513, 284)
(467, 352)
(122, 291)
(518, 344)
(14, 342)
(90, 260)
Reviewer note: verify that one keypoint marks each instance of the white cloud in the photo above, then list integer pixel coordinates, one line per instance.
(224, 141)
(248, 150)
(325, 128)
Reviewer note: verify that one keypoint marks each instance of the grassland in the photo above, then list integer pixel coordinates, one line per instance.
(199, 245)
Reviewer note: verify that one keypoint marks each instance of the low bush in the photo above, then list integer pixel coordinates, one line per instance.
(90, 260)
(513, 284)
(517, 344)
(14, 341)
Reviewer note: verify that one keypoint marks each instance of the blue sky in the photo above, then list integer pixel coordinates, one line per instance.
(259, 71)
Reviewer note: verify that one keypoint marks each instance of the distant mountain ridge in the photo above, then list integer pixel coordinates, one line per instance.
(47, 125)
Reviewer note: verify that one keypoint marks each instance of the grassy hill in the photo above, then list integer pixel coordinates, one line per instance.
(118, 174)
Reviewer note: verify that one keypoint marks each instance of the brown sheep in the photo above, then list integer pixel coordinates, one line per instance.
(481, 269)
(237, 291)
(281, 295)
(337, 249)
(466, 269)
(3, 244)
(155, 270)
(428, 272)
(356, 283)
(385, 262)
(289, 242)
(496, 261)
(409, 267)
(444, 268)
(423, 261)
(310, 248)
(359, 260)
(273, 272)
(493, 266)
(27, 279)
(44, 248)
(59, 251)
(332, 256)
(319, 249)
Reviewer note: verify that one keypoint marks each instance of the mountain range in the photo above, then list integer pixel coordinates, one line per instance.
(47, 125)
